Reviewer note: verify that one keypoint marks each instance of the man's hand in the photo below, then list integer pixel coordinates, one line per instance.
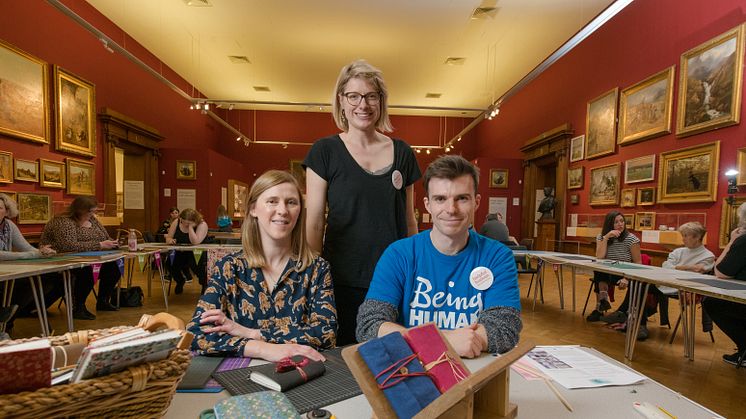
(466, 341)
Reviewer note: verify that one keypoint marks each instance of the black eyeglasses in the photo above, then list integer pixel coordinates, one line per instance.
(354, 98)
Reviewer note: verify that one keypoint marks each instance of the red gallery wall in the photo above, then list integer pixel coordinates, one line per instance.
(643, 39)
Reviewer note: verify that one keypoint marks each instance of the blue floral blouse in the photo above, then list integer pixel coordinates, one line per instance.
(300, 309)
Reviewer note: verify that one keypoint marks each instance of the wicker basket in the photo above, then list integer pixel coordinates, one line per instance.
(141, 391)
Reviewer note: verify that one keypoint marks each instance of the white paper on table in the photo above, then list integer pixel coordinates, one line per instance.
(572, 367)
(651, 236)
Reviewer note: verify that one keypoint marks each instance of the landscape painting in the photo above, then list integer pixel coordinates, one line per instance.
(641, 169)
(24, 110)
(689, 175)
(81, 177)
(575, 178)
(645, 108)
(645, 196)
(27, 170)
(76, 118)
(577, 148)
(600, 125)
(34, 208)
(605, 185)
(710, 84)
(52, 173)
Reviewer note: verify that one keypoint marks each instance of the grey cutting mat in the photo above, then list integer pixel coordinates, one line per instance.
(335, 385)
(718, 284)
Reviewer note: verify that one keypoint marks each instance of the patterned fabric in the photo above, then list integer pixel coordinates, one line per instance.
(65, 235)
(300, 309)
(5, 235)
(264, 404)
(620, 250)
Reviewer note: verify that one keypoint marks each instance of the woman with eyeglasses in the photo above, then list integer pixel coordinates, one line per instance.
(366, 178)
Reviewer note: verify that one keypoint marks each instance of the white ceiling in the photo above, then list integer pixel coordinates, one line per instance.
(297, 47)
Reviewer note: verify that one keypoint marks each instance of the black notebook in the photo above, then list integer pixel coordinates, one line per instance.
(306, 370)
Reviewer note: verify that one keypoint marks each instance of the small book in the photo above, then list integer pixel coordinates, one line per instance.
(133, 333)
(101, 360)
(445, 370)
(26, 366)
(304, 370)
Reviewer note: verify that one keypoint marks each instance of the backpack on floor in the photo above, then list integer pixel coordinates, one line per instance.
(129, 297)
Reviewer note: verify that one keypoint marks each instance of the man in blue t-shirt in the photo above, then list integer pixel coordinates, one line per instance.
(463, 282)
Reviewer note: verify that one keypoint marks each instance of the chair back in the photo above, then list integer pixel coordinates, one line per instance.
(123, 235)
(645, 259)
(529, 243)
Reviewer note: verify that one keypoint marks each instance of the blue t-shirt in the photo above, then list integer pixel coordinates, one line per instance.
(428, 286)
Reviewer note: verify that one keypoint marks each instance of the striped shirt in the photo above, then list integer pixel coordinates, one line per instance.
(620, 250)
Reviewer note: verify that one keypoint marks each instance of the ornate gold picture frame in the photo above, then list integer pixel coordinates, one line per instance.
(645, 108)
(604, 183)
(600, 125)
(75, 114)
(81, 177)
(52, 173)
(689, 174)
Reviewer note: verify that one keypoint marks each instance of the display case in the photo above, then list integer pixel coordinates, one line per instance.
(584, 225)
(667, 225)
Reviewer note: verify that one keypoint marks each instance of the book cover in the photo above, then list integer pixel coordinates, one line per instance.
(26, 366)
(102, 360)
(303, 371)
(433, 352)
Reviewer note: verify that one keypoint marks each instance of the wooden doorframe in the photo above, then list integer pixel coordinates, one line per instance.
(138, 138)
(552, 145)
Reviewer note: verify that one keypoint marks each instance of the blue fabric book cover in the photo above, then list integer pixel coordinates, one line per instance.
(410, 395)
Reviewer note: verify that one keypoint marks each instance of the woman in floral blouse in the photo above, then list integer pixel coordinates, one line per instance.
(274, 299)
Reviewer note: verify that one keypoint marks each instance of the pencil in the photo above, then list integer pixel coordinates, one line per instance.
(666, 412)
(557, 393)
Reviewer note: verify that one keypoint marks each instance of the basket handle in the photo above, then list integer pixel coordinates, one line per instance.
(153, 322)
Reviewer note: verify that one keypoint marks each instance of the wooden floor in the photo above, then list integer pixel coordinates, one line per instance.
(707, 380)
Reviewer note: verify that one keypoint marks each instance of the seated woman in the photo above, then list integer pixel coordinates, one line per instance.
(729, 316)
(274, 299)
(78, 230)
(189, 228)
(225, 224)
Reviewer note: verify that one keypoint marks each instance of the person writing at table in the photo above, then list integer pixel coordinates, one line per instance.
(190, 229)
(78, 230)
(730, 316)
(367, 179)
(465, 283)
(273, 299)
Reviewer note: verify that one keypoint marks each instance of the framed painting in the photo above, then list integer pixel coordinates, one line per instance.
(605, 185)
(575, 178)
(296, 169)
(600, 125)
(689, 174)
(26, 170)
(34, 208)
(574, 199)
(6, 167)
(81, 177)
(186, 169)
(75, 115)
(577, 148)
(499, 178)
(644, 221)
(11, 194)
(729, 218)
(52, 173)
(628, 198)
(641, 169)
(24, 91)
(237, 191)
(645, 108)
(646, 196)
(741, 177)
(629, 221)
(710, 84)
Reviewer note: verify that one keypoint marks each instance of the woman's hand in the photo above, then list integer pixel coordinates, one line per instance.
(274, 352)
(738, 232)
(170, 240)
(221, 323)
(612, 233)
(47, 250)
(109, 244)
(622, 284)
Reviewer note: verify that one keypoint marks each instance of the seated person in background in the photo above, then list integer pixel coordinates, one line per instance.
(495, 229)
(173, 215)
(465, 283)
(190, 228)
(729, 316)
(224, 222)
(274, 299)
(78, 230)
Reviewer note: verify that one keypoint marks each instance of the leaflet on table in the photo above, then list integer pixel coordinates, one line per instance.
(572, 367)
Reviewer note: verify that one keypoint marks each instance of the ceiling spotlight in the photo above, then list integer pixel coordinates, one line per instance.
(207, 106)
(418, 150)
(246, 142)
(427, 151)
(198, 106)
(458, 139)
(230, 107)
(238, 138)
(285, 145)
(191, 106)
(448, 149)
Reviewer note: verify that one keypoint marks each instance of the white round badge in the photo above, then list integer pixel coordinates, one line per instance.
(481, 278)
(397, 179)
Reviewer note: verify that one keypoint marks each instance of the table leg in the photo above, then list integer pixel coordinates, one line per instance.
(573, 288)
(684, 312)
(692, 306)
(41, 307)
(163, 283)
(538, 284)
(637, 293)
(7, 298)
(557, 268)
(67, 283)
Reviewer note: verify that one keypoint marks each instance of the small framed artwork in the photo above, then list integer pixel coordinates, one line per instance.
(645, 108)
(646, 196)
(605, 185)
(741, 179)
(81, 177)
(11, 194)
(629, 221)
(575, 178)
(575, 199)
(498, 178)
(296, 169)
(75, 101)
(644, 221)
(6, 167)
(641, 169)
(34, 208)
(52, 173)
(237, 191)
(24, 102)
(628, 198)
(710, 84)
(600, 125)
(689, 174)
(27, 170)
(729, 218)
(577, 148)
(186, 169)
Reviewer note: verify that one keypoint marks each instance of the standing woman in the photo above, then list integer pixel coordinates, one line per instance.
(366, 178)
(190, 228)
(615, 243)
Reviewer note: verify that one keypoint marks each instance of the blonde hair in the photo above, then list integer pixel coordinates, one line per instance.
(193, 215)
(360, 69)
(250, 237)
(11, 209)
(693, 227)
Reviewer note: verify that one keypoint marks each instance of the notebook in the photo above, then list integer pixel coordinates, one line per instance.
(26, 366)
(304, 371)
